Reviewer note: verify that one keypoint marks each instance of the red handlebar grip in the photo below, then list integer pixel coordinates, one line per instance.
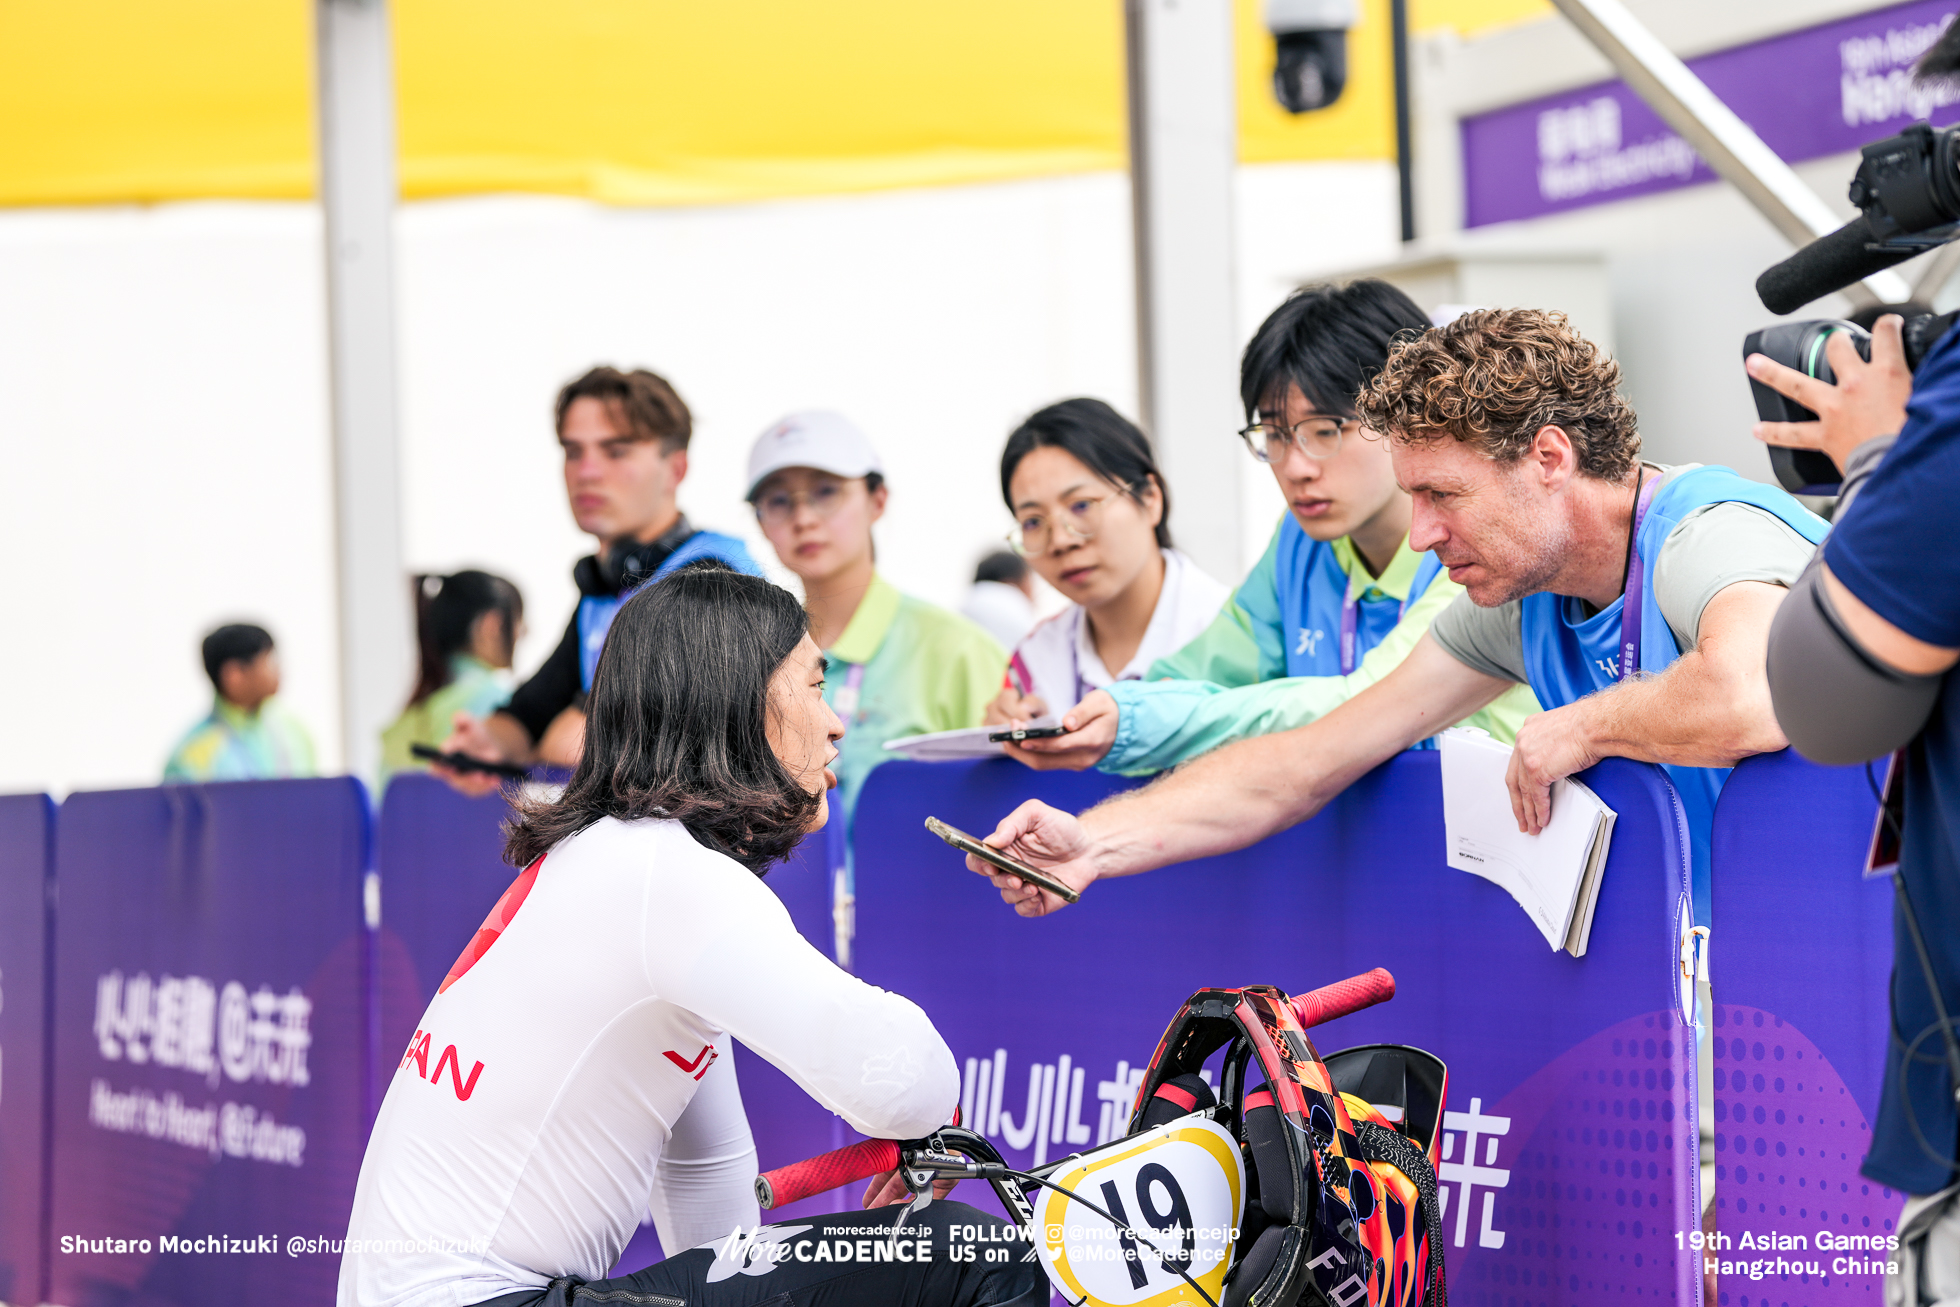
(1344, 997)
(815, 1175)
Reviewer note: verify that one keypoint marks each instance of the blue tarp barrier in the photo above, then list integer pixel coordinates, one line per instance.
(1799, 964)
(222, 1023)
(1570, 1144)
(26, 850)
(210, 1041)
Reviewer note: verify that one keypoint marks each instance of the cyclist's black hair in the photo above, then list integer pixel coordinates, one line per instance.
(1329, 341)
(676, 723)
(238, 642)
(1106, 442)
(446, 609)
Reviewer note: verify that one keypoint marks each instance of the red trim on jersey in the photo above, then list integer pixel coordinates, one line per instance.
(493, 925)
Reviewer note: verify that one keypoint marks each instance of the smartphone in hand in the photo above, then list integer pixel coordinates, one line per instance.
(965, 843)
(462, 762)
(1027, 733)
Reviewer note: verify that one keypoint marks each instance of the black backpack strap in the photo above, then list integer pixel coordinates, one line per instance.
(1383, 1144)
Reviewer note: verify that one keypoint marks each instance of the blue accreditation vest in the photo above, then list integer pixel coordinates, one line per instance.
(1312, 592)
(596, 612)
(1568, 655)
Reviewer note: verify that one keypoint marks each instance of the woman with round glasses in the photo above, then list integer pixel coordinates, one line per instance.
(1092, 516)
(898, 665)
(1338, 599)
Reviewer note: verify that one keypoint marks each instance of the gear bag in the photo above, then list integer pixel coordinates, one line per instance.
(1339, 1153)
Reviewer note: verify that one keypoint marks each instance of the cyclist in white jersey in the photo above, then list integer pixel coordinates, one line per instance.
(572, 1074)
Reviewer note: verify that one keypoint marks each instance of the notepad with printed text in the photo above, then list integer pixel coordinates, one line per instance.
(1555, 874)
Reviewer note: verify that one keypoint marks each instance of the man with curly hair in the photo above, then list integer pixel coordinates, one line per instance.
(1635, 600)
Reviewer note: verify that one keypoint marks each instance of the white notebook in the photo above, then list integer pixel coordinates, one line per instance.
(1555, 874)
(955, 746)
(945, 746)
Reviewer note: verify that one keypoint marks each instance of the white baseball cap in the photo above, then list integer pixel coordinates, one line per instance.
(828, 442)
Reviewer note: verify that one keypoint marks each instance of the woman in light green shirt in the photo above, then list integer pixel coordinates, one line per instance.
(897, 665)
(466, 628)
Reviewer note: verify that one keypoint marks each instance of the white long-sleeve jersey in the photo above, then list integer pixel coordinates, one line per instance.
(572, 1073)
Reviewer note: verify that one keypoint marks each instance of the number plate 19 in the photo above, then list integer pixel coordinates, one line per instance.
(1180, 1187)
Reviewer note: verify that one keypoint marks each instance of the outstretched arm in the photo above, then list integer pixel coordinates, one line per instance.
(1244, 792)
(1711, 708)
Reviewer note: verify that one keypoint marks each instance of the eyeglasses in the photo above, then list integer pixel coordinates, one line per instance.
(778, 507)
(1080, 517)
(1319, 438)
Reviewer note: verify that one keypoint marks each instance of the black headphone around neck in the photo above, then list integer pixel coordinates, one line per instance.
(627, 562)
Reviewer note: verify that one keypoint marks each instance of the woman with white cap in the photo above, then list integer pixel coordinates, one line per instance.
(898, 665)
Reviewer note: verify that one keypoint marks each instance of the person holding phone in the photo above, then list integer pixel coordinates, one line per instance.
(572, 1072)
(624, 436)
(466, 629)
(1092, 516)
(1634, 599)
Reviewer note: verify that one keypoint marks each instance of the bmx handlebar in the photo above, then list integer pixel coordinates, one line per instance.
(1344, 997)
(815, 1175)
(869, 1157)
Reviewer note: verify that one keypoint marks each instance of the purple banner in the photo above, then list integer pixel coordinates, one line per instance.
(210, 1050)
(1799, 1049)
(1569, 1154)
(1823, 90)
(440, 856)
(26, 850)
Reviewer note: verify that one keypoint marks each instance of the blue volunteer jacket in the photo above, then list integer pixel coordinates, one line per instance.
(1569, 656)
(596, 612)
(1313, 586)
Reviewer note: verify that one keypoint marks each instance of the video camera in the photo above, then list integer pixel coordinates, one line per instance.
(1907, 189)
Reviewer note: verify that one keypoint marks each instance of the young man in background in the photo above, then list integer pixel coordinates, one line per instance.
(625, 437)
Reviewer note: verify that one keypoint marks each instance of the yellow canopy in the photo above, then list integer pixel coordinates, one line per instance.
(630, 101)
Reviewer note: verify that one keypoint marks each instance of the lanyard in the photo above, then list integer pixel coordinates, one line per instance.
(847, 698)
(1631, 599)
(1075, 655)
(1349, 602)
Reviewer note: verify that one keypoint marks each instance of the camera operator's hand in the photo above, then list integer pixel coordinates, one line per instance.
(1868, 401)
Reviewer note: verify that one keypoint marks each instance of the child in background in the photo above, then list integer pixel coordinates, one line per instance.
(247, 736)
(466, 630)
(1094, 521)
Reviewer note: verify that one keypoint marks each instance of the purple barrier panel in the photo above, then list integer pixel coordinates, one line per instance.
(26, 862)
(440, 856)
(210, 1041)
(1801, 966)
(1570, 1143)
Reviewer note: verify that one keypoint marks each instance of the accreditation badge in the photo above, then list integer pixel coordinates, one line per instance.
(1180, 1186)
